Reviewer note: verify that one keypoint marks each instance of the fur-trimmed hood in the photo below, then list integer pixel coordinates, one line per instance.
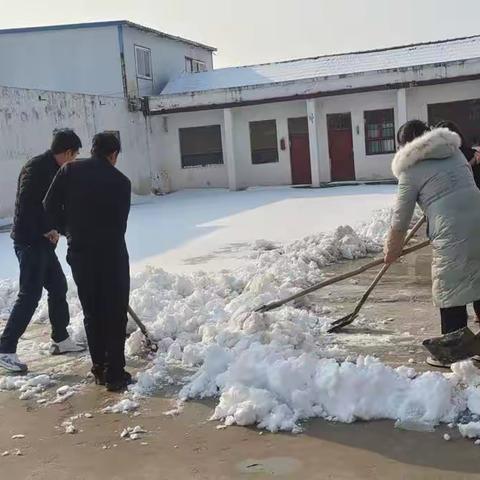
(439, 143)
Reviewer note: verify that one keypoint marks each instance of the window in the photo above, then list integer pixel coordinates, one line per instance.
(194, 66)
(379, 132)
(143, 59)
(263, 141)
(465, 113)
(201, 146)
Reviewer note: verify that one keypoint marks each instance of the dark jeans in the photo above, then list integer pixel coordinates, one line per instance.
(455, 318)
(103, 283)
(39, 268)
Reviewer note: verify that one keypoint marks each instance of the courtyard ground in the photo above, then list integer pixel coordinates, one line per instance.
(187, 445)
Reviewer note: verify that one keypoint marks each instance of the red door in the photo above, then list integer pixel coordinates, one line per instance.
(300, 159)
(340, 147)
(299, 151)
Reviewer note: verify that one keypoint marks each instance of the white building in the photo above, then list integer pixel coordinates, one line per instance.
(311, 121)
(117, 58)
(308, 122)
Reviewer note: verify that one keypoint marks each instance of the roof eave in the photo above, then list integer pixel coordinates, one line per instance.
(314, 87)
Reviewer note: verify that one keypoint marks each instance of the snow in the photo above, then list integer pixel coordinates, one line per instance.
(470, 430)
(212, 229)
(331, 65)
(123, 406)
(271, 370)
(29, 386)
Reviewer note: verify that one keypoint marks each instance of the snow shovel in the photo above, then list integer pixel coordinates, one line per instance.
(331, 281)
(149, 343)
(348, 319)
(455, 346)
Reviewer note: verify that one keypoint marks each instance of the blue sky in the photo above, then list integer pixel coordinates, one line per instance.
(257, 31)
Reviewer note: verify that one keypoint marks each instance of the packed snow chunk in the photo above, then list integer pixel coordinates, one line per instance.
(151, 379)
(135, 344)
(193, 354)
(29, 386)
(473, 399)
(64, 393)
(466, 373)
(123, 406)
(470, 430)
(70, 429)
(132, 433)
(447, 437)
(64, 390)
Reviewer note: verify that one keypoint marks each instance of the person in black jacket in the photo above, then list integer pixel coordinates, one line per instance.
(94, 199)
(35, 236)
(472, 155)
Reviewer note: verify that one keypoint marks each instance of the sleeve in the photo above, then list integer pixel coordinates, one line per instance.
(29, 196)
(54, 201)
(407, 195)
(127, 201)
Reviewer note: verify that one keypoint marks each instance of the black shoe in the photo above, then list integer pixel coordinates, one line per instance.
(120, 385)
(99, 374)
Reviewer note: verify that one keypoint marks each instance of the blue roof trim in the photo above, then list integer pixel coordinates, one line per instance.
(110, 23)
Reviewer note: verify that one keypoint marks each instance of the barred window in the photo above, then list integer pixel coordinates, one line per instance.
(379, 131)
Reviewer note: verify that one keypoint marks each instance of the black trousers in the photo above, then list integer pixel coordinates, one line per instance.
(39, 268)
(455, 318)
(103, 282)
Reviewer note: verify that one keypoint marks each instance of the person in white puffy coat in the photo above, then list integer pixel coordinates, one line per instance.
(433, 173)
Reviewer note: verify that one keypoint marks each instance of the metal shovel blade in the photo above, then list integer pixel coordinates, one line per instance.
(455, 346)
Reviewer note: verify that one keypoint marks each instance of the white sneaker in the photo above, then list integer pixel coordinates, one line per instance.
(66, 346)
(10, 362)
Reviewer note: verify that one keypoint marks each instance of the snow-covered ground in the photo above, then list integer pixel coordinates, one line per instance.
(267, 369)
(207, 229)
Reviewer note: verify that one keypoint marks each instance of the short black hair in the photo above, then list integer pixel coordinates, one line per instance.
(105, 143)
(64, 140)
(453, 127)
(410, 131)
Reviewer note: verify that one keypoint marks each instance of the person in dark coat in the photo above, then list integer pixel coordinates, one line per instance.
(94, 199)
(472, 155)
(35, 236)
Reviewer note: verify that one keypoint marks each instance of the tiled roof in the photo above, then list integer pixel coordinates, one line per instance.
(331, 65)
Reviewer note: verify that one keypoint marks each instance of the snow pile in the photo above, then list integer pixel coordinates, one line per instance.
(277, 388)
(29, 386)
(267, 369)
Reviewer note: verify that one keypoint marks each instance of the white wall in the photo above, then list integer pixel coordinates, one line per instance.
(71, 60)
(29, 117)
(367, 167)
(168, 60)
(419, 98)
(165, 151)
(270, 173)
